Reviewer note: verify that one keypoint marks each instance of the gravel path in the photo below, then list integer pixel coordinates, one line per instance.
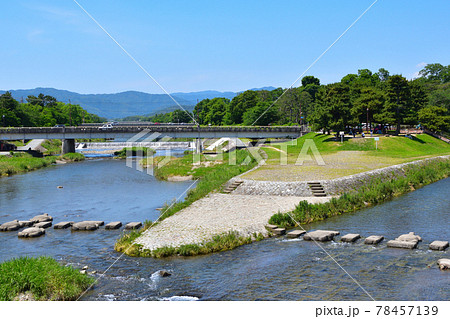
(217, 214)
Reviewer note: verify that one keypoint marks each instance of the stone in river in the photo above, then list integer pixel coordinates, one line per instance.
(402, 244)
(43, 224)
(439, 245)
(63, 225)
(409, 237)
(133, 225)
(444, 264)
(86, 225)
(321, 235)
(164, 273)
(295, 233)
(279, 231)
(99, 222)
(269, 226)
(350, 238)
(32, 232)
(41, 218)
(373, 240)
(10, 226)
(113, 225)
(25, 223)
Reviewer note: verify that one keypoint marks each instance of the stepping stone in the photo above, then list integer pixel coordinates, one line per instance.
(86, 225)
(402, 244)
(41, 218)
(99, 223)
(10, 226)
(350, 238)
(25, 223)
(63, 225)
(113, 225)
(43, 224)
(279, 231)
(321, 235)
(295, 233)
(373, 240)
(31, 232)
(444, 264)
(133, 225)
(271, 226)
(439, 245)
(409, 237)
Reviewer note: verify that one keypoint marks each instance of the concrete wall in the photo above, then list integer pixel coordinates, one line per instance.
(336, 186)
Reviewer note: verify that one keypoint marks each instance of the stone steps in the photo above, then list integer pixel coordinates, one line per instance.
(317, 189)
(231, 187)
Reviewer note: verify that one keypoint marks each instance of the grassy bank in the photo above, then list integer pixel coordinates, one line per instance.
(22, 162)
(210, 178)
(134, 151)
(374, 192)
(53, 147)
(43, 277)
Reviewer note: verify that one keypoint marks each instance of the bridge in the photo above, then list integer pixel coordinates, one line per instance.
(146, 133)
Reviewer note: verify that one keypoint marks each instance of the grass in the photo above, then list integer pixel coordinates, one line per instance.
(43, 277)
(211, 178)
(134, 151)
(22, 162)
(17, 163)
(222, 242)
(53, 147)
(354, 155)
(373, 192)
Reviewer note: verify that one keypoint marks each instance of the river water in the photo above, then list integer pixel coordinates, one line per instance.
(273, 269)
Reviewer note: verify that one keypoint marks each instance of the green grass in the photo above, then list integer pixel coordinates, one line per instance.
(211, 178)
(44, 277)
(22, 162)
(222, 242)
(72, 157)
(53, 147)
(392, 146)
(373, 192)
(134, 151)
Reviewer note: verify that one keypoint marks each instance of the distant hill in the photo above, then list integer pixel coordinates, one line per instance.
(119, 105)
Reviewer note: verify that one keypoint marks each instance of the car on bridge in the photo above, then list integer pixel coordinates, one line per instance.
(107, 126)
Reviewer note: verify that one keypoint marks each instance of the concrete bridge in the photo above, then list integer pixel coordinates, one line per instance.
(147, 133)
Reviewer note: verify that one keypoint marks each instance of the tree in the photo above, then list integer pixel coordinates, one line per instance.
(309, 79)
(383, 75)
(239, 105)
(435, 118)
(180, 116)
(397, 100)
(369, 103)
(42, 100)
(261, 114)
(436, 72)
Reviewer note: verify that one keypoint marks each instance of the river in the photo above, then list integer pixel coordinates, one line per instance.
(273, 269)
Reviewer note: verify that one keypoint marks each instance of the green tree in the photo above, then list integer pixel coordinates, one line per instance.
(369, 104)
(436, 72)
(309, 79)
(397, 101)
(435, 118)
(239, 105)
(261, 114)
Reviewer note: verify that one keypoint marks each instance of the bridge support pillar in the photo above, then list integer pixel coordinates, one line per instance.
(198, 146)
(68, 146)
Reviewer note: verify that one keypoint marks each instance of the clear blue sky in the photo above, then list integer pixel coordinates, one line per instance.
(213, 45)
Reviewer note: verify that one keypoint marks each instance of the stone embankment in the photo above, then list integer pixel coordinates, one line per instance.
(332, 187)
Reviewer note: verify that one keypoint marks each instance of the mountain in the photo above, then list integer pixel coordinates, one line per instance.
(119, 105)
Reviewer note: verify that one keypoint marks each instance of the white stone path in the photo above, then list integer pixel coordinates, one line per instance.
(217, 214)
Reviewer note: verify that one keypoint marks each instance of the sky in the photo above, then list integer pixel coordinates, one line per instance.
(189, 46)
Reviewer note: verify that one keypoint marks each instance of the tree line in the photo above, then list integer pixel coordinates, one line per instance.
(365, 97)
(42, 110)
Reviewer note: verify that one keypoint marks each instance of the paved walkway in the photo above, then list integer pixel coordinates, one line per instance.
(217, 214)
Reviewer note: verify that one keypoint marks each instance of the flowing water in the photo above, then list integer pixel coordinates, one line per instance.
(273, 269)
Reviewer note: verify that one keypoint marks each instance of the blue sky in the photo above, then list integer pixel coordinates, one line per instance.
(213, 45)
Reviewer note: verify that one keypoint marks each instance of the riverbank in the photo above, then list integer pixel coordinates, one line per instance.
(17, 163)
(368, 189)
(41, 278)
